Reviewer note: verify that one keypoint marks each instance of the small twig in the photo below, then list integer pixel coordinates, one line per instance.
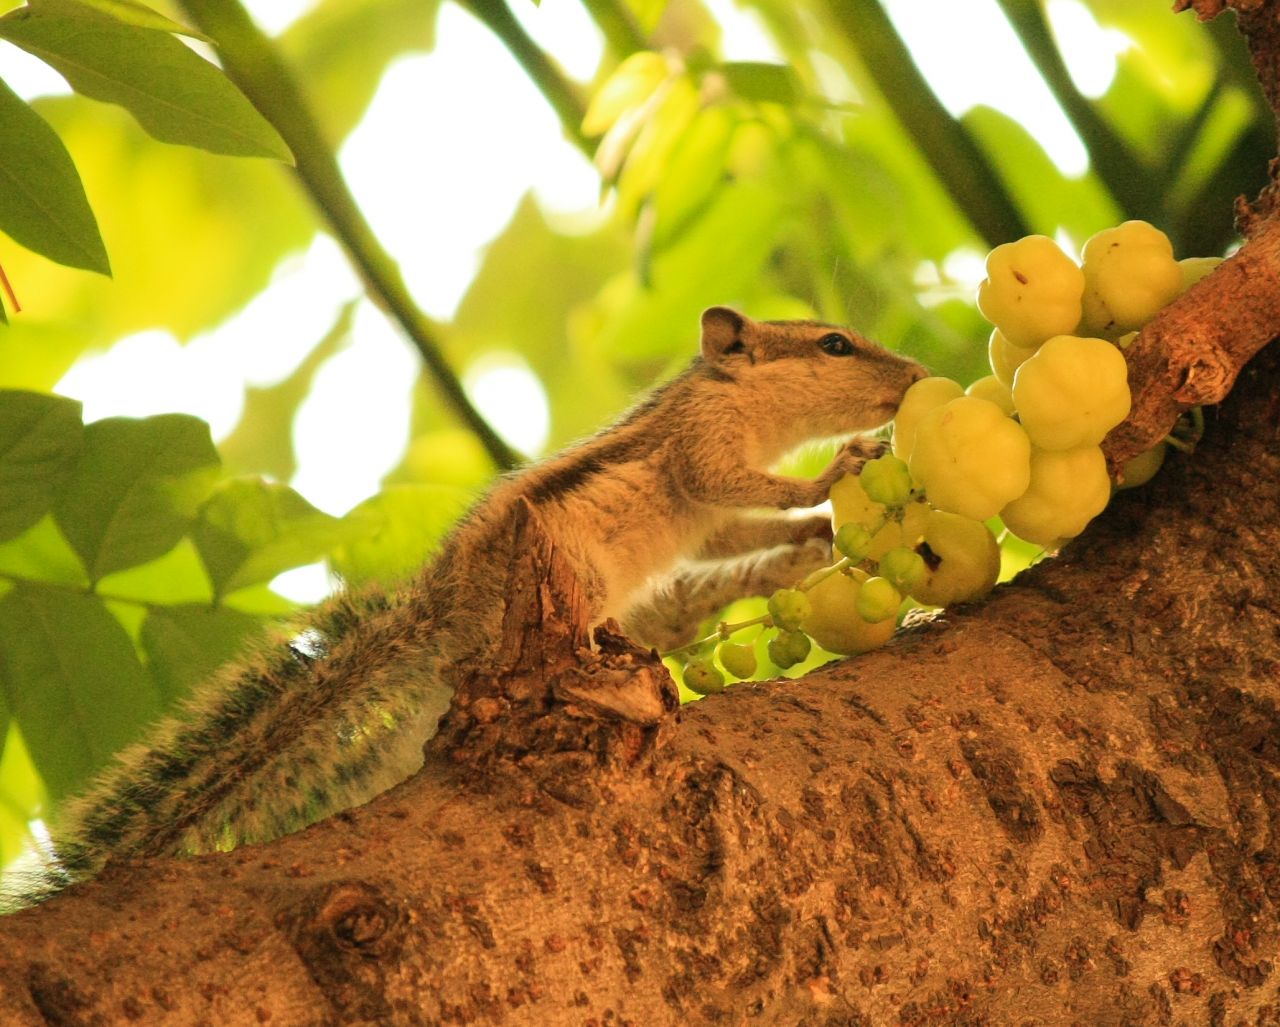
(8, 291)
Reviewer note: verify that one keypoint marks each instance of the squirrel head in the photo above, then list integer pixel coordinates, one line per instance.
(823, 379)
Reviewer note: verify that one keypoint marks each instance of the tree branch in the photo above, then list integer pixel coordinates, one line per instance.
(563, 95)
(256, 66)
(947, 146)
(1124, 176)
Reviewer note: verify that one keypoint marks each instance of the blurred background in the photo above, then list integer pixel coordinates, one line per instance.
(565, 185)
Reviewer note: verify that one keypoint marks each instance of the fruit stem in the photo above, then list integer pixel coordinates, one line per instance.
(721, 633)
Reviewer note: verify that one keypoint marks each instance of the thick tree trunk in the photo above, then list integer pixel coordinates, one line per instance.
(1060, 806)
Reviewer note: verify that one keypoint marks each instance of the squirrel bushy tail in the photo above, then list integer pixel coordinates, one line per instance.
(296, 729)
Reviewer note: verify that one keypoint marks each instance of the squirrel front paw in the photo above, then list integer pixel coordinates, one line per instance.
(853, 454)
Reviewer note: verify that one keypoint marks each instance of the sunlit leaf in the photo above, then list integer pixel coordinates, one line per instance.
(186, 644)
(135, 489)
(763, 82)
(137, 14)
(250, 530)
(1047, 198)
(692, 173)
(42, 553)
(42, 201)
(629, 86)
(40, 439)
(654, 142)
(177, 577)
(192, 237)
(262, 440)
(721, 253)
(340, 78)
(76, 703)
(507, 308)
(176, 95)
(398, 530)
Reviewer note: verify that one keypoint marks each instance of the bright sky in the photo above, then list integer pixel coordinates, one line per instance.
(436, 217)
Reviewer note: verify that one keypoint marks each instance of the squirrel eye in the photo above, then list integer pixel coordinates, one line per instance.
(835, 345)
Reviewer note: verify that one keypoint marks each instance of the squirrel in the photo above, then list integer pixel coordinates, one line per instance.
(658, 515)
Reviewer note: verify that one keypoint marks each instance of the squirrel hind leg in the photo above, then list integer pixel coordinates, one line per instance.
(670, 616)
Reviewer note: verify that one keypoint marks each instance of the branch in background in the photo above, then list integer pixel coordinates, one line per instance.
(255, 65)
(621, 32)
(949, 149)
(1124, 175)
(555, 86)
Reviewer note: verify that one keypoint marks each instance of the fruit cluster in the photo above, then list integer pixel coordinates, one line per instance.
(1021, 445)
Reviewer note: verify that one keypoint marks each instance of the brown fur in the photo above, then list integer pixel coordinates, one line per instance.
(668, 493)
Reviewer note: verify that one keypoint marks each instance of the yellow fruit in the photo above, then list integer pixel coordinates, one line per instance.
(971, 458)
(1005, 359)
(962, 558)
(1032, 290)
(1072, 392)
(1069, 487)
(922, 397)
(834, 622)
(1195, 268)
(993, 389)
(1129, 274)
(1143, 467)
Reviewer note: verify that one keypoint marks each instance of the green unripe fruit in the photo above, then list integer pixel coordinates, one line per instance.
(903, 568)
(702, 677)
(886, 480)
(788, 607)
(1032, 290)
(738, 660)
(853, 541)
(1072, 392)
(834, 622)
(787, 648)
(877, 600)
(922, 397)
(849, 503)
(1142, 468)
(971, 458)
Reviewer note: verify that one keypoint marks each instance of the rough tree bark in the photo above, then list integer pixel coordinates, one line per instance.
(1061, 806)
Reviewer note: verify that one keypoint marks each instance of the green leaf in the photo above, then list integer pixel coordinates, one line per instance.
(178, 577)
(262, 440)
(186, 644)
(136, 489)
(693, 171)
(40, 439)
(72, 680)
(1047, 197)
(763, 82)
(251, 530)
(140, 15)
(42, 553)
(42, 201)
(176, 95)
(341, 78)
(398, 530)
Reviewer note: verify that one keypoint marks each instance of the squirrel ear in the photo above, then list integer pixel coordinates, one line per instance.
(721, 333)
